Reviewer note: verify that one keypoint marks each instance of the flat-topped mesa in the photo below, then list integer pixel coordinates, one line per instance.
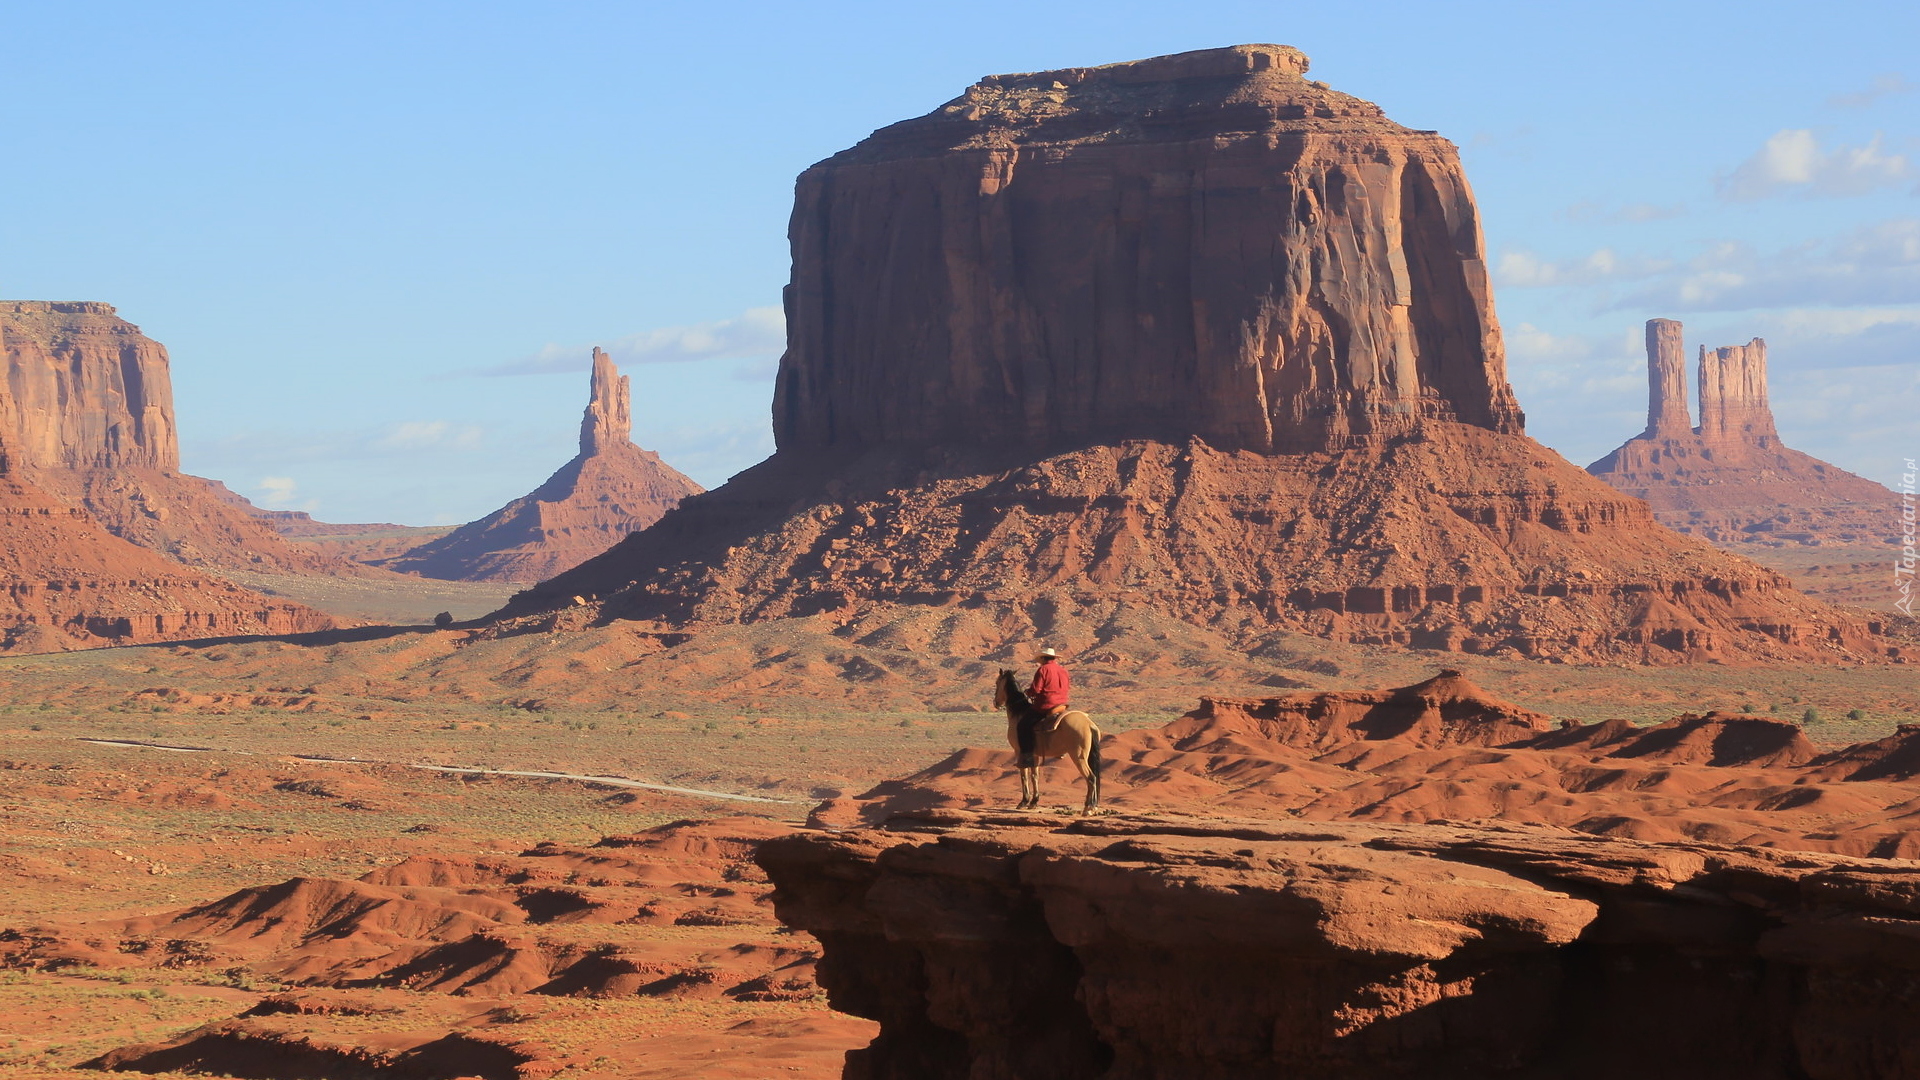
(609, 417)
(89, 389)
(1667, 415)
(1733, 396)
(1202, 245)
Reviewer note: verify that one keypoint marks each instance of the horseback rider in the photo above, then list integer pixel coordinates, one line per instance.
(1049, 690)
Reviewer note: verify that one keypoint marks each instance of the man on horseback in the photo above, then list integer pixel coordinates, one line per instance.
(1048, 696)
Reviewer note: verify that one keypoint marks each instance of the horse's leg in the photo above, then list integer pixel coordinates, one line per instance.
(1087, 775)
(1029, 786)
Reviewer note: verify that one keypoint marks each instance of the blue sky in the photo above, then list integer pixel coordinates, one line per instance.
(381, 239)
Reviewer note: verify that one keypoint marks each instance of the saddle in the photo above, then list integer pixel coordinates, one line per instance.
(1036, 723)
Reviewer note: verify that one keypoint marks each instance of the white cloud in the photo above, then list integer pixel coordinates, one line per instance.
(1793, 162)
(1874, 265)
(1881, 86)
(753, 333)
(277, 493)
(1525, 270)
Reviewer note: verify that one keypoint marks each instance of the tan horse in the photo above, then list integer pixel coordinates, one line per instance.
(1074, 736)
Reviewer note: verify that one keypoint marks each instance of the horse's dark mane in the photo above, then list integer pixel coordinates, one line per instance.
(1016, 697)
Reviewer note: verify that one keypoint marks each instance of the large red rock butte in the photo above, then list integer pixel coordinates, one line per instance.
(73, 414)
(610, 490)
(1731, 479)
(1192, 336)
(91, 415)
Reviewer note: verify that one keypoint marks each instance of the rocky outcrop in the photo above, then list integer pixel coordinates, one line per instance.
(1444, 749)
(612, 489)
(1192, 337)
(997, 944)
(1204, 245)
(91, 417)
(1730, 480)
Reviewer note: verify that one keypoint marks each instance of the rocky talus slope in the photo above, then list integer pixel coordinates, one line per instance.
(1193, 334)
(1730, 479)
(610, 490)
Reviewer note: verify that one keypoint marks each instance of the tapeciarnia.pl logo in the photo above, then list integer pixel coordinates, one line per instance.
(1903, 566)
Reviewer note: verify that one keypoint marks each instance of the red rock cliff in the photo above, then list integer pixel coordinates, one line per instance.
(91, 412)
(610, 490)
(1201, 245)
(68, 582)
(89, 390)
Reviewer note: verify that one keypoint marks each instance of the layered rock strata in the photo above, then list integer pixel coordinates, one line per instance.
(1190, 336)
(70, 584)
(999, 944)
(91, 417)
(610, 490)
(1204, 245)
(1730, 479)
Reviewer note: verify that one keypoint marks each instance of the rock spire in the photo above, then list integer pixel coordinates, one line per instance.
(1666, 381)
(609, 418)
(1733, 396)
(1730, 479)
(610, 490)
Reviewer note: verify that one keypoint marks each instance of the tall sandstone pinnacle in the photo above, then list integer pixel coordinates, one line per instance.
(611, 489)
(1667, 414)
(1089, 353)
(1730, 479)
(91, 415)
(69, 582)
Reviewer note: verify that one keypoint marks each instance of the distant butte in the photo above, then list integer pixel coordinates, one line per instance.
(611, 489)
(87, 412)
(1731, 480)
(91, 413)
(1191, 338)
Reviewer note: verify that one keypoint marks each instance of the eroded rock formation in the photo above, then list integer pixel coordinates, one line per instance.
(1730, 479)
(1191, 335)
(610, 490)
(1204, 245)
(998, 944)
(91, 415)
(1444, 749)
(70, 584)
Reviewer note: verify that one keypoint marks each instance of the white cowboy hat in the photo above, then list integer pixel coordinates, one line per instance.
(1047, 654)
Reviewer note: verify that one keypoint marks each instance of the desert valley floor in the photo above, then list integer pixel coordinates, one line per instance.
(137, 783)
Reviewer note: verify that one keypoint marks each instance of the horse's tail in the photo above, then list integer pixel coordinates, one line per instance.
(1093, 754)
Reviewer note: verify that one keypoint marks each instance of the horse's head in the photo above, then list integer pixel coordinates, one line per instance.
(1000, 686)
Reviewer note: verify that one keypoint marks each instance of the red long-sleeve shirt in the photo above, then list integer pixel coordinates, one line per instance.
(1050, 685)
